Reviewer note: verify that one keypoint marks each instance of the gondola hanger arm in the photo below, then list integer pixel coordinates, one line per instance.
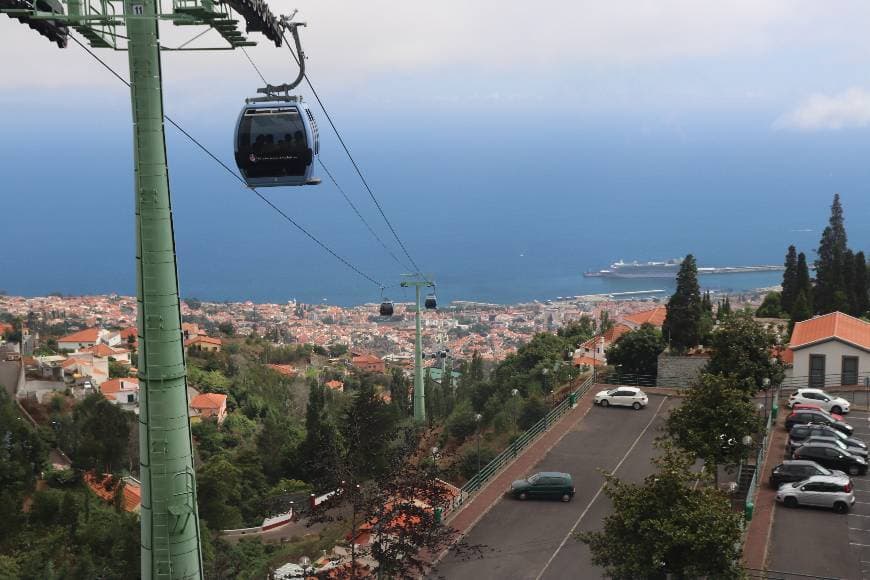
(287, 87)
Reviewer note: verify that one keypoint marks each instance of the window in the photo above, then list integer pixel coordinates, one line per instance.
(833, 453)
(817, 371)
(812, 487)
(850, 370)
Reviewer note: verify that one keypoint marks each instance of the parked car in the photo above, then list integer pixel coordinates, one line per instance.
(804, 416)
(547, 484)
(800, 433)
(624, 396)
(793, 470)
(836, 442)
(830, 403)
(832, 457)
(799, 406)
(830, 491)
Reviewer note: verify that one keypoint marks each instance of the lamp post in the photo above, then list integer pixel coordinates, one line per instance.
(765, 384)
(477, 418)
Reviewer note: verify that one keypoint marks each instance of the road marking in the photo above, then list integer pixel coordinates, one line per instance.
(859, 530)
(857, 544)
(600, 489)
(859, 515)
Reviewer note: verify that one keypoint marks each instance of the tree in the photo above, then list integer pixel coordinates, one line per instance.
(667, 526)
(713, 420)
(771, 307)
(219, 492)
(369, 426)
(193, 303)
(637, 352)
(742, 348)
(227, 328)
(861, 286)
(100, 433)
(790, 281)
(682, 325)
(578, 331)
(724, 309)
(118, 370)
(400, 392)
(802, 309)
(830, 291)
(319, 452)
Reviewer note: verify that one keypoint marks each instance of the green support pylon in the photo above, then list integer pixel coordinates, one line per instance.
(419, 388)
(170, 543)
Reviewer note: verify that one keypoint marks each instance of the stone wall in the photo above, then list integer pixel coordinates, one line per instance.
(679, 371)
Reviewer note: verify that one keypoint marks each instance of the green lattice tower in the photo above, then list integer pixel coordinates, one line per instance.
(170, 539)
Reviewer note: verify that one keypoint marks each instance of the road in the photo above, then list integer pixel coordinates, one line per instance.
(534, 539)
(819, 542)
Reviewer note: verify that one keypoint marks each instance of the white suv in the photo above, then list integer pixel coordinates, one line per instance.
(830, 491)
(818, 397)
(625, 396)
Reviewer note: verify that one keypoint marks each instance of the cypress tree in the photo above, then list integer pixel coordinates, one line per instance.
(804, 283)
(861, 287)
(850, 305)
(830, 291)
(801, 310)
(682, 326)
(790, 280)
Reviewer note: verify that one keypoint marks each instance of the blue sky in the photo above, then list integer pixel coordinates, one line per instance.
(575, 133)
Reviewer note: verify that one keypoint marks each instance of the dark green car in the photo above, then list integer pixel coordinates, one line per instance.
(547, 484)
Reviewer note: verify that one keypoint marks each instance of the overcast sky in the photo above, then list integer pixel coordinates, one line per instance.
(805, 63)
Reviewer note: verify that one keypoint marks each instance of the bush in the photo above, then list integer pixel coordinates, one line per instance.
(468, 462)
(461, 422)
(533, 411)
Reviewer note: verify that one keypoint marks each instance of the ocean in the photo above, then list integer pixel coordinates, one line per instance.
(493, 212)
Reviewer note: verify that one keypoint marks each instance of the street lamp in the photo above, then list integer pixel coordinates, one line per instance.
(477, 418)
(765, 384)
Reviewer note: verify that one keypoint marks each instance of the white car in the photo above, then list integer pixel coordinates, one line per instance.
(625, 396)
(818, 397)
(830, 491)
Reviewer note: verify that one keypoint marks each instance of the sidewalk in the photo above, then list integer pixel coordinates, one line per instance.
(464, 519)
(758, 535)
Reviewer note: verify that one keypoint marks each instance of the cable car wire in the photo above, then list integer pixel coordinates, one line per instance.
(235, 175)
(353, 161)
(337, 186)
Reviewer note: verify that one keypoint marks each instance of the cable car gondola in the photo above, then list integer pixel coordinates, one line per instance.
(430, 303)
(386, 307)
(276, 139)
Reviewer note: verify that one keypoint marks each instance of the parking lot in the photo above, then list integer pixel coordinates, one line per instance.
(533, 539)
(820, 542)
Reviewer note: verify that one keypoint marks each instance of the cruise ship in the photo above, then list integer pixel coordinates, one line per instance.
(668, 269)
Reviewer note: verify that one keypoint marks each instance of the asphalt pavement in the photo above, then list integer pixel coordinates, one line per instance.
(534, 539)
(818, 542)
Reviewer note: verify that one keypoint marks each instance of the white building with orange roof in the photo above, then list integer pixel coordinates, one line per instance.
(123, 392)
(831, 350)
(210, 405)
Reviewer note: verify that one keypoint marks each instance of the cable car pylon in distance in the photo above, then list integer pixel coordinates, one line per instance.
(276, 139)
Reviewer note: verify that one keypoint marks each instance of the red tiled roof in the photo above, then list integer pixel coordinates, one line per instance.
(204, 339)
(109, 388)
(87, 335)
(588, 361)
(288, 370)
(656, 316)
(616, 331)
(104, 488)
(835, 325)
(208, 401)
(101, 350)
(337, 385)
(366, 359)
(128, 332)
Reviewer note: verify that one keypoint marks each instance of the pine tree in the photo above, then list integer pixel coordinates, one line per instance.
(848, 283)
(861, 286)
(682, 326)
(830, 292)
(790, 280)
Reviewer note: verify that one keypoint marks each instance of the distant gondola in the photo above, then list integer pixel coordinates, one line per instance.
(276, 143)
(386, 308)
(430, 303)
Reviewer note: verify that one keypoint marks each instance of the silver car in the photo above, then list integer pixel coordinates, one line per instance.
(622, 396)
(830, 491)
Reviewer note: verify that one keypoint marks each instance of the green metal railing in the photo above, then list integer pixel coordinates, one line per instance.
(501, 460)
(749, 506)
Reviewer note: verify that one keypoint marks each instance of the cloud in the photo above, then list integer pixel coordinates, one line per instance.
(845, 110)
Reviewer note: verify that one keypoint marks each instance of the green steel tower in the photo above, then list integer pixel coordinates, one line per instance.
(170, 543)
(418, 282)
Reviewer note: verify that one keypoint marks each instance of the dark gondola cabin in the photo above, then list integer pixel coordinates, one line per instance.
(277, 144)
(386, 308)
(430, 303)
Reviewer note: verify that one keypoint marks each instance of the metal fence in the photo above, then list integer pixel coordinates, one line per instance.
(624, 379)
(779, 575)
(501, 460)
(827, 381)
(749, 506)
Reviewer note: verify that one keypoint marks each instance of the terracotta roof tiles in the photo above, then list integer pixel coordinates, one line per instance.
(835, 325)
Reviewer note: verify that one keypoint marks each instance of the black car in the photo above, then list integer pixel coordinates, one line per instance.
(804, 416)
(832, 457)
(797, 470)
(836, 442)
(800, 433)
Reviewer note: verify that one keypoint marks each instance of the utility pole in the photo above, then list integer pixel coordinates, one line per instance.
(170, 534)
(418, 282)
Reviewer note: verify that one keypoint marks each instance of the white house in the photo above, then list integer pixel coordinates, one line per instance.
(830, 350)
